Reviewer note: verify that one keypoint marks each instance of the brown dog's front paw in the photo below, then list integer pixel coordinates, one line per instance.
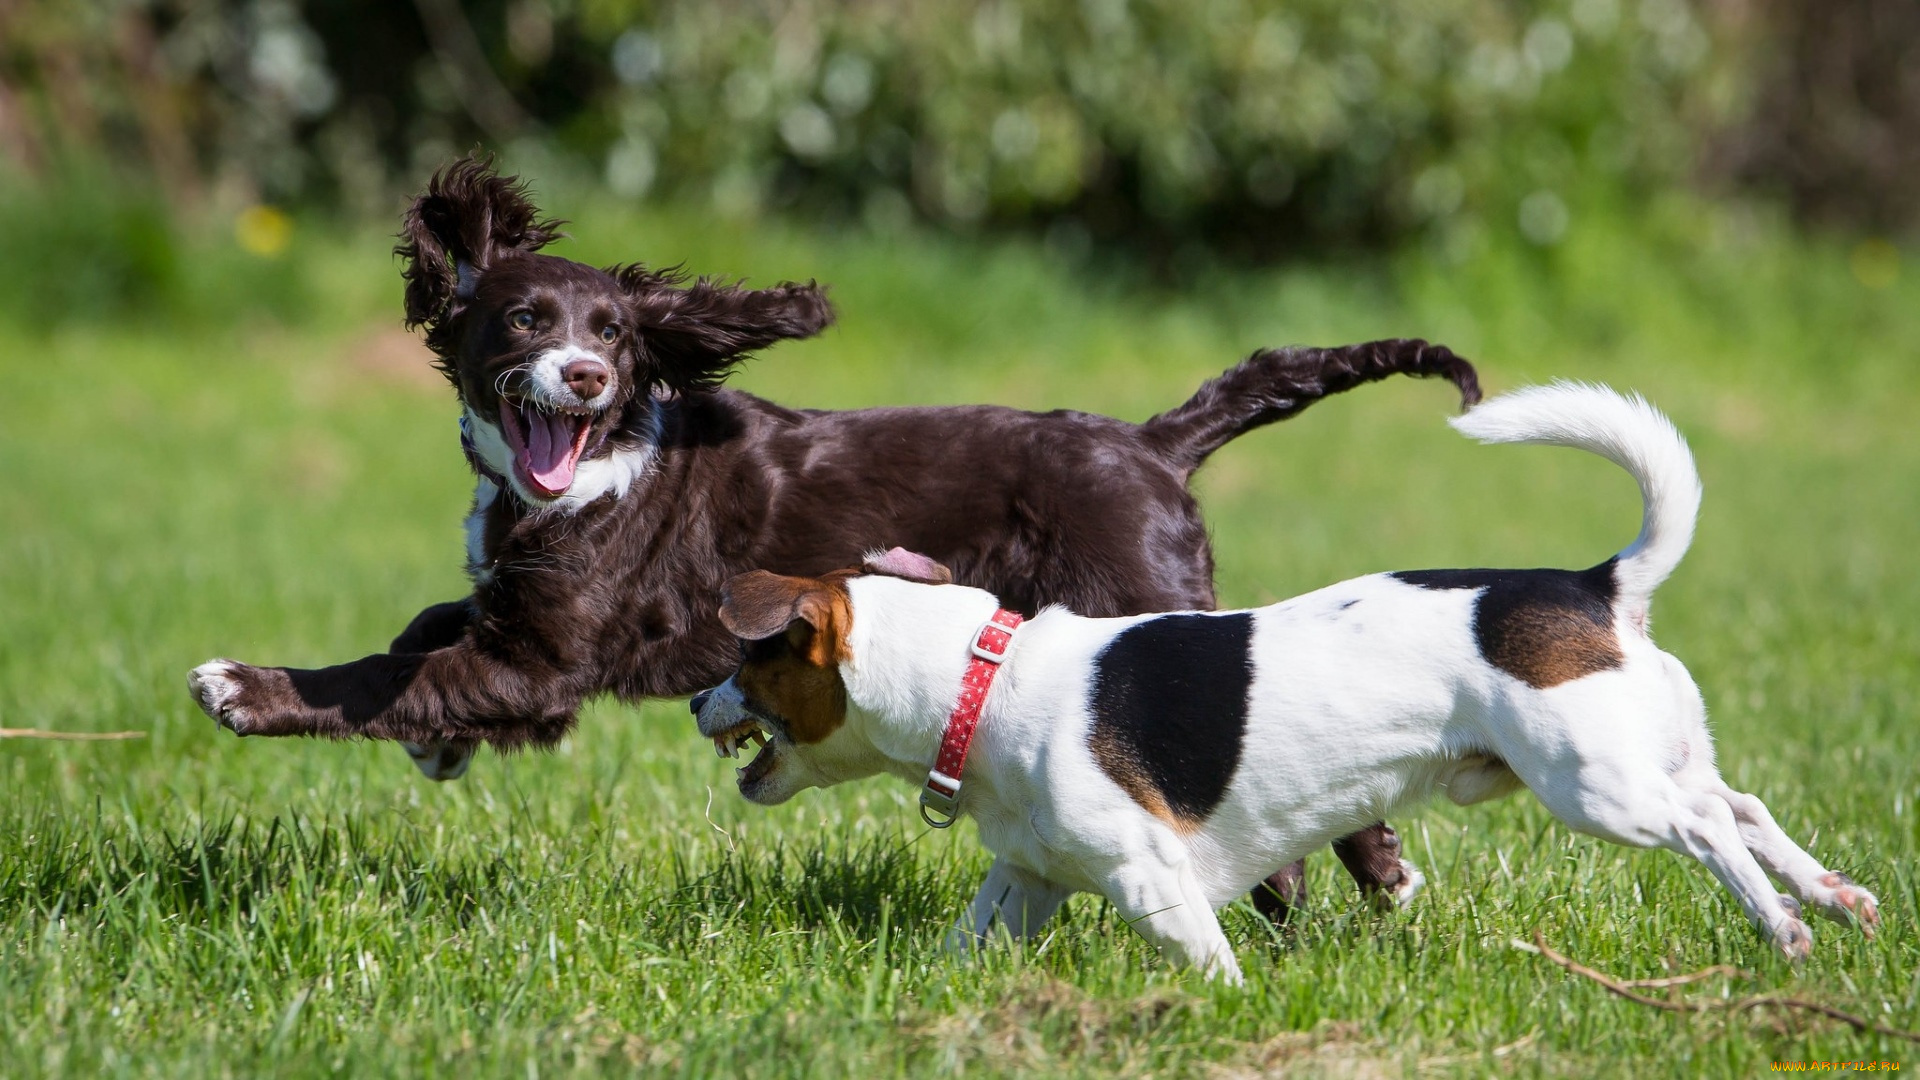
(220, 686)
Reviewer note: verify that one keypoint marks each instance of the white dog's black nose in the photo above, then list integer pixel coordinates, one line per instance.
(699, 701)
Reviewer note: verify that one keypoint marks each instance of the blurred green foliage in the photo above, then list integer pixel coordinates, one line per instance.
(1262, 127)
(1251, 127)
(152, 150)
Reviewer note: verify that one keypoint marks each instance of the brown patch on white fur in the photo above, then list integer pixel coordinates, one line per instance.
(1123, 768)
(1547, 646)
(1543, 627)
(798, 627)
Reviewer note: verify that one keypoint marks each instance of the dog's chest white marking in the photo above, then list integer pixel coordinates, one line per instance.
(489, 442)
(485, 491)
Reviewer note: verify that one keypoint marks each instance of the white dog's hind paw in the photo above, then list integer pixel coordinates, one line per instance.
(1845, 902)
(214, 687)
(1794, 939)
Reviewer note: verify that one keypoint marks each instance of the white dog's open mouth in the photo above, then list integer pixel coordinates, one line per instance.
(546, 444)
(729, 743)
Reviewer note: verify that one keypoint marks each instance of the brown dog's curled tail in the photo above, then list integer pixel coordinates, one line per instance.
(1274, 384)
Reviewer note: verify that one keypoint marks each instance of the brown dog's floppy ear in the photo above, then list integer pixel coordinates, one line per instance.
(911, 565)
(758, 605)
(468, 215)
(696, 334)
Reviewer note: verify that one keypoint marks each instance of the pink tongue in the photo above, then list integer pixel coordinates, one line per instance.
(551, 454)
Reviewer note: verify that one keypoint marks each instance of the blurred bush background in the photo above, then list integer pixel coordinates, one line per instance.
(1177, 131)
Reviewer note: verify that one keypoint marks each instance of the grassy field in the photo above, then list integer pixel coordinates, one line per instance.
(188, 904)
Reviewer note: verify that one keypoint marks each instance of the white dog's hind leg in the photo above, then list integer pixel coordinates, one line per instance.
(1707, 830)
(1643, 807)
(1830, 893)
(1010, 901)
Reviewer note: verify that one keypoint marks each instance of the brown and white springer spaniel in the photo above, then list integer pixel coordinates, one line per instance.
(619, 488)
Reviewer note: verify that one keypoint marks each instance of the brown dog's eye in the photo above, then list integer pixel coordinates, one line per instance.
(609, 334)
(521, 320)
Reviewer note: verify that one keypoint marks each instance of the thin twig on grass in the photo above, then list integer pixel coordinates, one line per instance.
(1686, 1005)
(1726, 970)
(69, 736)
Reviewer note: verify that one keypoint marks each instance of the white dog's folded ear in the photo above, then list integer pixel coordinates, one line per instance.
(757, 605)
(811, 612)
(911, 565)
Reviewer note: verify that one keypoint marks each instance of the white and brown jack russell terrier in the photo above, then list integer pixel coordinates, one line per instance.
(1169, 762)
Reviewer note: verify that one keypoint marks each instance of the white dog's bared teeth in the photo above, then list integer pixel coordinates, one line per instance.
(721, 748)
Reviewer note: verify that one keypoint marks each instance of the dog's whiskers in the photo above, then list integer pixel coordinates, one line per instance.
(500, 380)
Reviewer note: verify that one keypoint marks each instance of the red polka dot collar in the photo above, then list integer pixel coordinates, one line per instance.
(940, 796)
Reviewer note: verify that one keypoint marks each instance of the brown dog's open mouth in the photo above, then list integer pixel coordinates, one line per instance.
(728, 744)
(546, 445)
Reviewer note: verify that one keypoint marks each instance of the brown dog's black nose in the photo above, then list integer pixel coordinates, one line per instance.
(586, 378)
(699, 701)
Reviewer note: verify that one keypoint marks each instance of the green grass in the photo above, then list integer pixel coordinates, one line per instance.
(188, 904)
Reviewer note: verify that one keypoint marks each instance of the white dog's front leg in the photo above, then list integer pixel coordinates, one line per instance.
(1011, 900)
(1169, 908)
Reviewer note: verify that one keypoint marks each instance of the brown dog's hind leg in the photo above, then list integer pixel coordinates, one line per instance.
(437, 628)
(1284, 890)
(1372, 856)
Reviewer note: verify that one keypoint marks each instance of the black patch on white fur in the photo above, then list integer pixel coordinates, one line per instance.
(1543, 627)
(1169, 707)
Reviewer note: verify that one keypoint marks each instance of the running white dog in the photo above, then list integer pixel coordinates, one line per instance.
(1169, 762)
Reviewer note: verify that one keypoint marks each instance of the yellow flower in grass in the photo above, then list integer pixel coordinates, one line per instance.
(263, 230)
(1875, 263)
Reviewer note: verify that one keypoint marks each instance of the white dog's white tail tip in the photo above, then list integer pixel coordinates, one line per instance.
(1632, 434)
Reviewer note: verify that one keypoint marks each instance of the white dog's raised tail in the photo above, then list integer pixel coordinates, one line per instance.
(1628, 432)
